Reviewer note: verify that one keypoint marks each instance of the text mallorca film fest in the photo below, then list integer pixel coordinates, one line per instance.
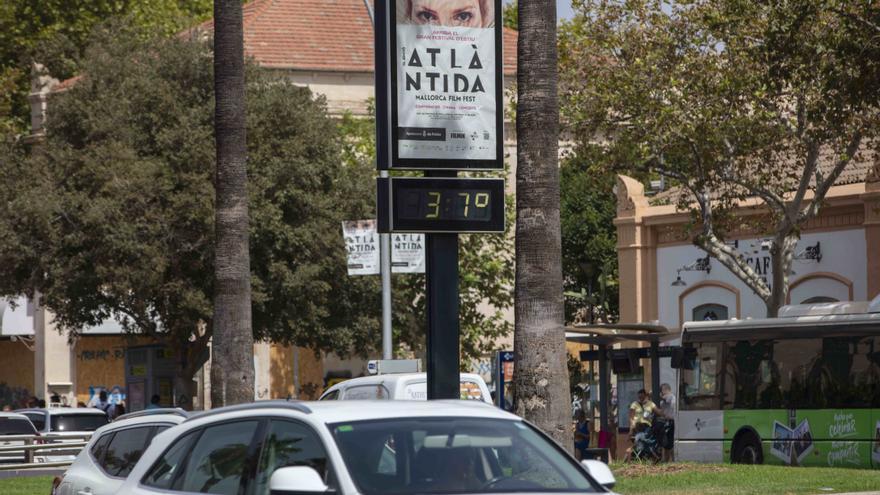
(446, 85)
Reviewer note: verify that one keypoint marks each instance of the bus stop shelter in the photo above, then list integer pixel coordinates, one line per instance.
(604, 337)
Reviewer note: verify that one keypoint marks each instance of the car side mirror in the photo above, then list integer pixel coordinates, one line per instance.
(296, 480)
(600, 472)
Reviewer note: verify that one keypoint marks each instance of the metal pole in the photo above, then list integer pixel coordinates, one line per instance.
(443, 326)
(655, 370)
(604, 388)
(442, 307)
(385, 264)
(381, 85)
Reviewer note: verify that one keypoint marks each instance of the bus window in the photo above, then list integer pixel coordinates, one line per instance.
(797, 360)
(848, 371)
(751, 380)
(700, 388)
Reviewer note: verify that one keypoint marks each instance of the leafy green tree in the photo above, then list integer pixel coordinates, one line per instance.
(55, 32)
(589, 238)
(485, 266)
(113, 214)
(730, 100)
(510, 15)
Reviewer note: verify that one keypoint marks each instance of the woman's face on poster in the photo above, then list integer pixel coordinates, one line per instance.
(453, 13)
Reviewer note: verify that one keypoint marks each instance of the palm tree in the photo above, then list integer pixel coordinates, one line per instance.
(541, 377)
(232, 367)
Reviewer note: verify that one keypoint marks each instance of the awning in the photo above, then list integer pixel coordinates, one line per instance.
(16, 317)
(615, 333)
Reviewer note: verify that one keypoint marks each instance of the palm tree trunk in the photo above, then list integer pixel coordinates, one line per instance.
(232, 368)
(541, 377)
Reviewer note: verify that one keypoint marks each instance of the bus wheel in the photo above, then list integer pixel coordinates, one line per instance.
(747, 450)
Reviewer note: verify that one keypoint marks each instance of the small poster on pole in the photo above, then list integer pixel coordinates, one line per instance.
(362, 243)
(407, 253)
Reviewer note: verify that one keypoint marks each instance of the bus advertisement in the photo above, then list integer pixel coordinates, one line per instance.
(802, 389)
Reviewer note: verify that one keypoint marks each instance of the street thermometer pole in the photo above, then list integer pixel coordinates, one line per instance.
(439, 109)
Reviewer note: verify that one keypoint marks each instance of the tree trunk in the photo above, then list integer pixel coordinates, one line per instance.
(541, 377)
(232, 369)
(781, 259)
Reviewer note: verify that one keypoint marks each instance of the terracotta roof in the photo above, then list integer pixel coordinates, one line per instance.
(319, 35)
(323, 35)
(857, 171)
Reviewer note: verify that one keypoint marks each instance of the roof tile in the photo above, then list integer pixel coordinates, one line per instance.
(334, 35)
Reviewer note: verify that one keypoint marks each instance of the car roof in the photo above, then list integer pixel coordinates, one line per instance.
(356, 410)
(64, 410)
(13, 415)
(164, 411)
(141, 420)
(393, 377)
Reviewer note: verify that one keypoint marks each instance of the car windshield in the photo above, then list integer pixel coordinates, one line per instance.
(78, 422)
(455, 455)
(16, 426)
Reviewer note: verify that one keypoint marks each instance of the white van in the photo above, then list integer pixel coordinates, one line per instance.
(403, 386)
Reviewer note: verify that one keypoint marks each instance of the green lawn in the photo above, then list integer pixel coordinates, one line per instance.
(692, 479)
(37, 485)
(679, 479)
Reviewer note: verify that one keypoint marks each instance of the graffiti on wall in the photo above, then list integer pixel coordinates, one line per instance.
(17, 397)
(101, 354)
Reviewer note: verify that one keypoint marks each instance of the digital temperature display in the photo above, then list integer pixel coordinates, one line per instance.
(444, 204)
(441, 204)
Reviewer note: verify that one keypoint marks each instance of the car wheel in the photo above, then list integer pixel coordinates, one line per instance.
(747, 450)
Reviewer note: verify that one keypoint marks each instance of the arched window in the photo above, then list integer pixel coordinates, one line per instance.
(710, 312)
(819, 299)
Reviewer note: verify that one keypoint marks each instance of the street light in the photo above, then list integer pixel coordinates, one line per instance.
(700, 265)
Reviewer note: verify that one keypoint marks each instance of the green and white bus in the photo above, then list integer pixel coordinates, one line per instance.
(801, 389)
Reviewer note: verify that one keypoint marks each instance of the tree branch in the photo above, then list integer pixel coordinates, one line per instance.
(807, 175)
(823, 185)
(726, 255)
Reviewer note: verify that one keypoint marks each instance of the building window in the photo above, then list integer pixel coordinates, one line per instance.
(710, 312)
(819, 299)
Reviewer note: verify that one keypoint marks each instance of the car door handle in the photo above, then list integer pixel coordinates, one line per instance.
(87, 491)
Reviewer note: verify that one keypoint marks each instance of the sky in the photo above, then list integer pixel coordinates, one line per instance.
(563, 8)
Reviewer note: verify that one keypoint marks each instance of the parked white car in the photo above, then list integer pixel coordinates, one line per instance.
(65, 425)
(112, 452)
(403, 386)
(14, 425)
(359, 447)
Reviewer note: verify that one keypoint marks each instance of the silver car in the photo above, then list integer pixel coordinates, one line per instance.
(359, 448)
(64, 425)
(101, 467)
(14, 425)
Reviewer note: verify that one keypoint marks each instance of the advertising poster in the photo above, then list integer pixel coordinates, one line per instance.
(407, 253)
(803, 441)
(362, 243)
(447, 91)
(781, 448)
